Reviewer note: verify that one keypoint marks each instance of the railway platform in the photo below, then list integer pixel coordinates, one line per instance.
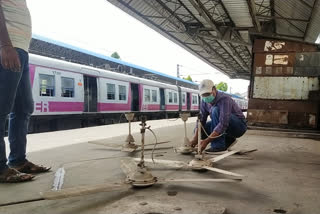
(282, 176)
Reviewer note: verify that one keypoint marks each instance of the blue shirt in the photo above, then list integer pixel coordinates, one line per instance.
(227, 106)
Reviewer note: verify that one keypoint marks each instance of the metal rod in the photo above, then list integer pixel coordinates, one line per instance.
(199, 136)
(143, 131)
(185, 129)
(142, 147)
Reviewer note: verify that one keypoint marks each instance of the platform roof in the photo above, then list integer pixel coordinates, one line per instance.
(220, 32)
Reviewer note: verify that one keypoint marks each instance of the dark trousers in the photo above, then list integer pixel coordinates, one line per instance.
(237, 127)
(15, 100)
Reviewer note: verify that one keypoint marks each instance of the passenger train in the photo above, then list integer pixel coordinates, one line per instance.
(72, 95)
(69, 95)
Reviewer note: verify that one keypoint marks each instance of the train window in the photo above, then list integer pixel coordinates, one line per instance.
(67, 87)
(175, 98)
(122, 92)
(147, 95)
(183, 98)
(170, 97)
(194, 99)
(111, 91)
(154, 96)
(47, 85)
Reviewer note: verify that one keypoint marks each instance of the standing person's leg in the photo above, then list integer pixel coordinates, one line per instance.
(20, 114)
(19, 121)
(3, 156)
(9, 81)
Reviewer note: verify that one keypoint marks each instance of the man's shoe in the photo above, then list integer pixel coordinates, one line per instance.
(14, 176)
(31, 168)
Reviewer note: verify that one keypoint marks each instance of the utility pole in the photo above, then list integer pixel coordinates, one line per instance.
(178, 72)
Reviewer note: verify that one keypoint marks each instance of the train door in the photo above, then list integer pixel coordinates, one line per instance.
(135, 97)
(162, 100)
(188, 102)
(90, 94)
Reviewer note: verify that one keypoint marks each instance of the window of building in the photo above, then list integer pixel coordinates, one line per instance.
(170, 97)
(122, 92)
(47, 85)
(175, 98)
(111, 91)
(67, 87)
(147, 95)
(154, 96)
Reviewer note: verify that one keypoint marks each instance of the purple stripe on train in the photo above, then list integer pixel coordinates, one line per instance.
(32, 70)
(113, 107)
(151, 107)
(172, 107)
(59, 106)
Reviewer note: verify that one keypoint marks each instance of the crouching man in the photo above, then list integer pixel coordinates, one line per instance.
(227, 120)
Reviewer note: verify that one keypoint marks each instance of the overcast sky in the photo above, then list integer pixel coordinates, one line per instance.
(99, 26)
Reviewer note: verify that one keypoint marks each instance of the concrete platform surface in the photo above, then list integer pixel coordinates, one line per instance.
(283, 176)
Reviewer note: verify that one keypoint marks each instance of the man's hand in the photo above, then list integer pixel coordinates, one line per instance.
(193, 143)
(10, 59)
(204, 144)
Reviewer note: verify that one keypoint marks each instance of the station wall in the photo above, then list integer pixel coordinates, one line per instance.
(284, 85)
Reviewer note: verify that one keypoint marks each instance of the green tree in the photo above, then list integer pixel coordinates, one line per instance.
(222, 86)
(115, 55)
(188, 78)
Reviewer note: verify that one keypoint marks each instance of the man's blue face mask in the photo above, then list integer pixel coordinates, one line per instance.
(208, 99)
